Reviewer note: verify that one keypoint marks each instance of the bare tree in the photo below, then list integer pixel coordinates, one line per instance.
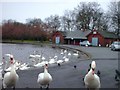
(87, 12)
(68, 21)
(53, 22)
(114, 16)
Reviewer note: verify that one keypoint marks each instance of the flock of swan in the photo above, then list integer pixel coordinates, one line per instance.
(10, 76)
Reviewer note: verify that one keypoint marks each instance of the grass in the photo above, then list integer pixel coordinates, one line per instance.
(25, 41)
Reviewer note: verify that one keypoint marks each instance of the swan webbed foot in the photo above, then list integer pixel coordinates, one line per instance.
(47, 88)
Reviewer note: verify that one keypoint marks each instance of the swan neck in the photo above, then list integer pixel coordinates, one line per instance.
(13, 68)
(45, 70)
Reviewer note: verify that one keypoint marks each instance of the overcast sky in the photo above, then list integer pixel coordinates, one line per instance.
(20, 10)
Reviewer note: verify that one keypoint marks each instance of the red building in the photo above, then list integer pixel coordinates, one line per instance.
(58, 37)
(69, 37)
(102, 38)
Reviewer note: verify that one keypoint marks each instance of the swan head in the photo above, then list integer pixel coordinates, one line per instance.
(11, 59)
(46, 66)
(93, 65)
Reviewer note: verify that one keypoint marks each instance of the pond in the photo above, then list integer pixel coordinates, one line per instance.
(22, 52)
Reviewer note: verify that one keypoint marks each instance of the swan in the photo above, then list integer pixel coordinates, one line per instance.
(69, 54)
(65, 51)
(76, 54)
(16, 65)
(52, 60)
(62, 52)
(66, 59)
(24, 66)
(59, 61)
(10, 78)
(91, 79)
(44, 78)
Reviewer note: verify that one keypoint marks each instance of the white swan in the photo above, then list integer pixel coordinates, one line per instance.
(10, 78)
(76, 53)
(62, 52)
(52, 60)
(44, 78)
(91, 80)
(69, 54)
(60, 61)
(24, 66)
(16, 64)
(66, 59)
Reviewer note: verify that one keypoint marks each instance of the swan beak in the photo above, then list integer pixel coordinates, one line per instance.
(46, 66)
(11, 60)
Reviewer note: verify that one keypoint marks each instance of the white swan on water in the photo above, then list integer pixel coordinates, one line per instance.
(10, 78)
(44, 78)
(76, 53)
(51, 60)
(91, 80)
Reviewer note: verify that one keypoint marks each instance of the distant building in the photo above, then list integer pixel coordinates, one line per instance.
(95, 37)
(103, 38)
(75, 37)
(69, 37)
(58, 37)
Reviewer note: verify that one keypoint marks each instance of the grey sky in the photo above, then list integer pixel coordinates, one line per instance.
(20, 10)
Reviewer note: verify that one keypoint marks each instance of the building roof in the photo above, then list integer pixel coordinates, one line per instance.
(107, 34)
(77, 34)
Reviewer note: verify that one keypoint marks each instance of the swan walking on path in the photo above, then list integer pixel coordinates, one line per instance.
(91, 80)
(44, 78)
(10, 78)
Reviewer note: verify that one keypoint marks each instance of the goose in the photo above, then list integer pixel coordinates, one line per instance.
(10, 78)
(44, 78)
(91, 79)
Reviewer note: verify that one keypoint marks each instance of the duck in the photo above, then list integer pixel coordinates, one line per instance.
(44, 79)
(92, 80)
(10, 78)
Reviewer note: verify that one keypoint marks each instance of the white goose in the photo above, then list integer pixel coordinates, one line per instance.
(44, 78)
(10, 78)
(91, 80)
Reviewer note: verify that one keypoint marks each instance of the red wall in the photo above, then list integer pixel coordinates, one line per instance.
(58, 34)
(101, 40)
